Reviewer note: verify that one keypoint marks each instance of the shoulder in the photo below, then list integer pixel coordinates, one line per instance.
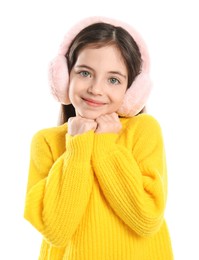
(141, 122)
(144, 133)
(143, 126)
(48, 143)
(50, 134)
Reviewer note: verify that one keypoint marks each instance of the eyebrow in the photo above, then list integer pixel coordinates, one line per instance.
(111, 72)
(118, 73)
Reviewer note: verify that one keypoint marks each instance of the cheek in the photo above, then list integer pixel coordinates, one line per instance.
(72, 88)
(119, 96)
(70, 91)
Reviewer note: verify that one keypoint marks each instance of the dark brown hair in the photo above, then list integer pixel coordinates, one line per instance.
(98, 35)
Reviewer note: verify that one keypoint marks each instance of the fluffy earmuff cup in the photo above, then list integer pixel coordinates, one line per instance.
(59, 79)
(136, 96)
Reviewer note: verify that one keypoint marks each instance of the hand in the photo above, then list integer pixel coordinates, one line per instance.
(108, 123)
(80, 125)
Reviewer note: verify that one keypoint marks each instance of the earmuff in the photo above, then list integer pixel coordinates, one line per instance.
(136, 95)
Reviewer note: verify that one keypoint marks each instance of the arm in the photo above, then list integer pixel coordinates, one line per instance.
(58, 191)
(133, 179)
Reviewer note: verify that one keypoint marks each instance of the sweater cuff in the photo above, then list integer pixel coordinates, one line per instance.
(104, 144)
(79, 147)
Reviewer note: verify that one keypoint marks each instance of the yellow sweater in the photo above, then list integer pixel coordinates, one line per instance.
(100, 196)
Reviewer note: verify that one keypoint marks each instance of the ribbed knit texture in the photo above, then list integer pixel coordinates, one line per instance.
(100, 196)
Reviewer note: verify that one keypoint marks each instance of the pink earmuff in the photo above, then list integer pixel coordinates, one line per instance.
(136, 95)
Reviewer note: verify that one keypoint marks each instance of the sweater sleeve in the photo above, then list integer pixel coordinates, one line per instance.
(134, 180)
(58, 191)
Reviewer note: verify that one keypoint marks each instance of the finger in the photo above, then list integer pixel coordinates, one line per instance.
(71, 119)
(114, 115)
(108, 118)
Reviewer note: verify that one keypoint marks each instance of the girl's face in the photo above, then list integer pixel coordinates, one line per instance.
(98, 82)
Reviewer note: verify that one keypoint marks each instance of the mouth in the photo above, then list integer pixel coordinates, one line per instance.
(92, 102)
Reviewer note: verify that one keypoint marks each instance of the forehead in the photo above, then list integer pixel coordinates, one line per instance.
(108, 56)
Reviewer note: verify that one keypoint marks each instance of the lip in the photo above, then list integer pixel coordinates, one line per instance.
(92, 102)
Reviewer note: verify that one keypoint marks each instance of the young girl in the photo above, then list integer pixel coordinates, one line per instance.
(97, 185)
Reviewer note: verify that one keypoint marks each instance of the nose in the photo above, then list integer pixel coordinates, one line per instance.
(96, 87)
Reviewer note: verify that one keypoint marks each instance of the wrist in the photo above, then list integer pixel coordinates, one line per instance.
(79, 146)
(104, 143)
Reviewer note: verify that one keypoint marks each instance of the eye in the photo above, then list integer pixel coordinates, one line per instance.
(114, 81)
(85, 73)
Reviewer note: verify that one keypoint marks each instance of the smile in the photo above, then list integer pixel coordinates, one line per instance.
(93, 103)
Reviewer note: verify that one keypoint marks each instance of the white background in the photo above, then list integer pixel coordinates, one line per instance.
(31, 32)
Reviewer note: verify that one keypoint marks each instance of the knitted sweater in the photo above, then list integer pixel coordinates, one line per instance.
(100, 196)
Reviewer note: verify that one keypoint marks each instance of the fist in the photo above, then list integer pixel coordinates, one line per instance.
(79, 125)
(109, 123)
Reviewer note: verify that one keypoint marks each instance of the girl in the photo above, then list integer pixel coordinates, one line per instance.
(97, 183)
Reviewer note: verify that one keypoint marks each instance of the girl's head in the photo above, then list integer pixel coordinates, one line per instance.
(104, 34)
